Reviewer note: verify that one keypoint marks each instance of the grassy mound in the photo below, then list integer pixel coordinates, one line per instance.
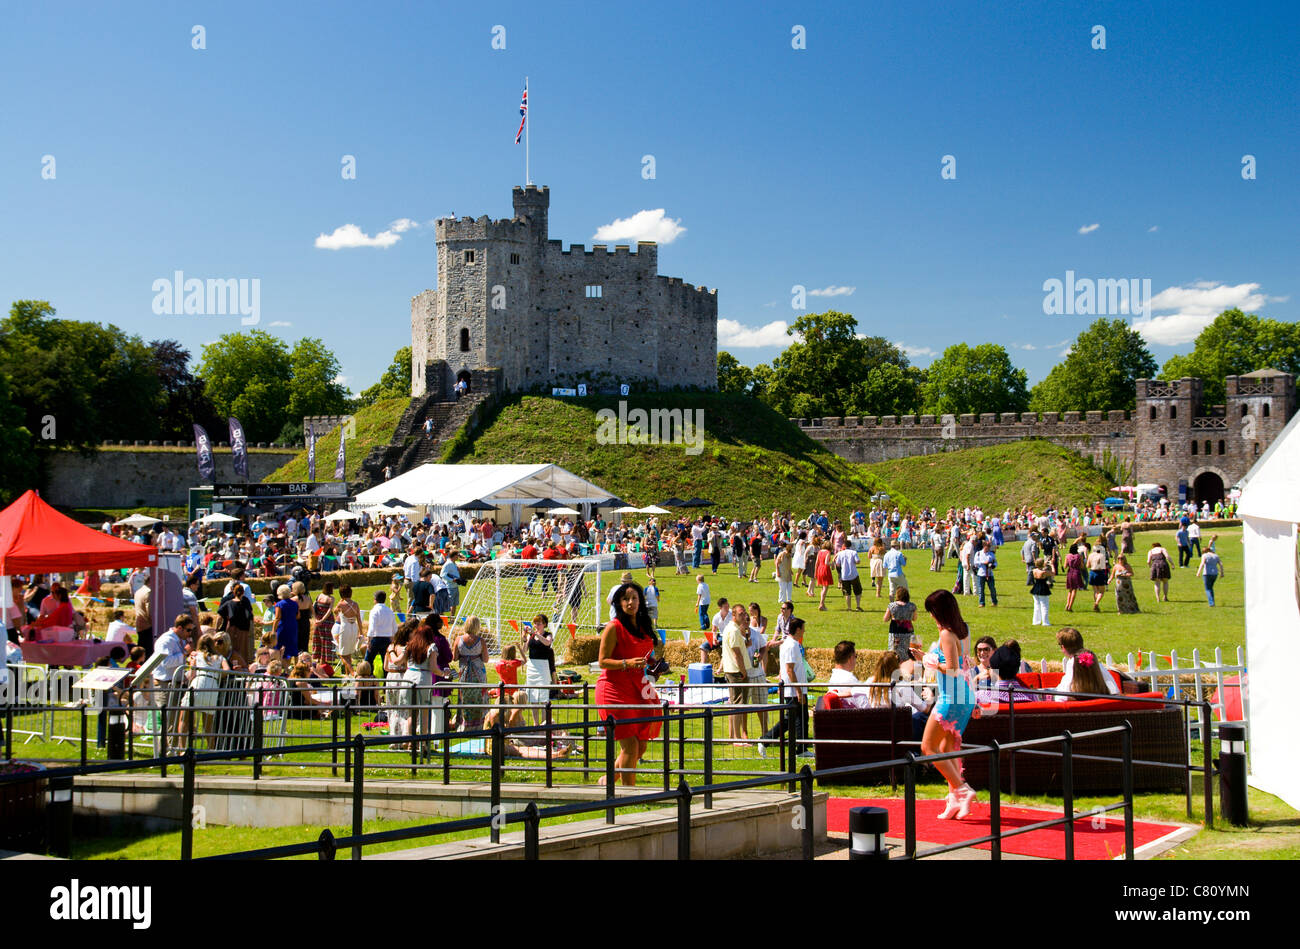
(1032, 472)
(375, 425)
(751, 460)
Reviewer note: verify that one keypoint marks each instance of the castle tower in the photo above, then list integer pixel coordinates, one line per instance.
(511, 299)
(1163, 431)
(1259, 404)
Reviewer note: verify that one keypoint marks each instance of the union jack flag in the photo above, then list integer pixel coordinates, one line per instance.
(523, 112)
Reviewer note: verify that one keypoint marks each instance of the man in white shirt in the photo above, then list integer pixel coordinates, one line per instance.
(118, 630)
(844, 682)
(313, 543)
(291, 527)
(846, 562)
(735, 668)
(379, 631)
(793, 674)
(702, 600)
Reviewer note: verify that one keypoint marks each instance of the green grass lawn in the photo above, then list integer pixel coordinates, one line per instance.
(1185, 623)
(375, 425)
(1033, 472)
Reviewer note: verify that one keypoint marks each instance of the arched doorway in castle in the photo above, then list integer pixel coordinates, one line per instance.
(464, 376)
(1207, 488)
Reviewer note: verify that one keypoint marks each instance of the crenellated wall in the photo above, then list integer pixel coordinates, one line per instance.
(883, 438)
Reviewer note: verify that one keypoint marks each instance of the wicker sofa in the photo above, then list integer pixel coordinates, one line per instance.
(1159, 735)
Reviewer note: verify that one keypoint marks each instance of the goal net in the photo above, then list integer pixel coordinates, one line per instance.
(506, 594)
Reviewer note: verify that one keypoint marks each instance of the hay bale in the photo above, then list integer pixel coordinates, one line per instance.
(582, 650)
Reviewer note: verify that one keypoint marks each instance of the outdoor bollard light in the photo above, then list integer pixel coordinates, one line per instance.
(1232, 773)
(58, 817)
(867, 829)
(116, 734)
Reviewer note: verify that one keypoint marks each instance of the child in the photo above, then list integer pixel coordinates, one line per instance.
(268, 643)
(652, 599)
(395, 590)
(507, 667)
(137, 658)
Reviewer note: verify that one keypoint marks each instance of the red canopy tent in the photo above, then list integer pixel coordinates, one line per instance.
(35, 538)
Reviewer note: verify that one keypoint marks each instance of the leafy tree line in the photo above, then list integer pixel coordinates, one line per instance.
(75, 384)
(834, 370)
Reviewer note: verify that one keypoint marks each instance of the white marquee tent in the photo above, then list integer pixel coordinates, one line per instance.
(513, 488)
(1270, 511)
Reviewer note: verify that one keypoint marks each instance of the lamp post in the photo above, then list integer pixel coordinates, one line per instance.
(58, 817)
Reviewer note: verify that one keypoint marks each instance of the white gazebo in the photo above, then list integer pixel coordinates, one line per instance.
(1270, 512)
(440, 489)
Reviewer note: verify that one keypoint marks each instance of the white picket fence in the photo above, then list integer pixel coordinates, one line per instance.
(1190, 680)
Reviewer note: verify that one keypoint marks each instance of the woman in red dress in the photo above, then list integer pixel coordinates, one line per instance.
(626, 643)
(822, 573)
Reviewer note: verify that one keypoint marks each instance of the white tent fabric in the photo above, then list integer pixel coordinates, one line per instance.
(1270, 510)
(440, 488)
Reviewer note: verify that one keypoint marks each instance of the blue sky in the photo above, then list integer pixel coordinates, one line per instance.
(818, 167)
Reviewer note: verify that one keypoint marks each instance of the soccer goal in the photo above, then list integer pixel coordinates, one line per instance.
(506, 594)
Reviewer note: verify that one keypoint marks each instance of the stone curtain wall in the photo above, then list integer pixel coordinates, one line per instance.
(144, 478)
(884, 438)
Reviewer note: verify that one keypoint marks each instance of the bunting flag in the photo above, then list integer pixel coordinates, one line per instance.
(311, 452)
(203, 447)
(341, 464)
(238, 447)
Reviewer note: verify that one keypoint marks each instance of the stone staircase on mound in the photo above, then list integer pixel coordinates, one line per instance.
(409, 448)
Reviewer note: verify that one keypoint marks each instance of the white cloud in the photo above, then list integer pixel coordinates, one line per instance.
(1153, 228)
(772, 304)
(832, 291)
(1195, 307)
(349, 236)
(1088, 228)
(642, 226)
(1028, 347)
(731, 335)
(279, 323)
(913, 352)
(340, 380)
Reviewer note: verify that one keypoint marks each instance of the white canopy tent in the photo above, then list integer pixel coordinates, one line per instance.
(441, 488)
(1270, 512)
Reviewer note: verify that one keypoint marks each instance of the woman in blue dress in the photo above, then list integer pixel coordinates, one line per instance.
(950, 659)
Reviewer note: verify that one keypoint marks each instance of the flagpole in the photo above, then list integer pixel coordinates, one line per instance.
(528, 178)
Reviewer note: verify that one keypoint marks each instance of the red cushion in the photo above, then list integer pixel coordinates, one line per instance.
(831, 700)
(1109, 704)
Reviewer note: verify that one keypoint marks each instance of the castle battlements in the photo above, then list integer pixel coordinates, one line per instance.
(510, 297)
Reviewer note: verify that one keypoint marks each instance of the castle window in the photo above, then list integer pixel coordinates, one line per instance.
(1265, 410)
(1207, 446)
(1257, 448)
(514, 258)
(1173, 411)
(1243, 411)
(469, 257)
(1221, 446)
(1153, 411)
(1194, 446)
(593, 291)
(1162, 449)
(464, 340)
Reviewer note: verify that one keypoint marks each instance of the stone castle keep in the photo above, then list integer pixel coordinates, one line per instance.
(1169, 438)
(515, 310)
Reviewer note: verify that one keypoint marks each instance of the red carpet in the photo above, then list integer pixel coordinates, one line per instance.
(1090, 843)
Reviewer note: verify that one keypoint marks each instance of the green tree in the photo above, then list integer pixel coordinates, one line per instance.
(888, 389)
(1235, 344)
(18, 467)
(96, 381)
(315, 389)
(1105, 361)
(975, 379)
(822, 373)
(256, 378)
(395, 383)
(733, 376)
(182, 399)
